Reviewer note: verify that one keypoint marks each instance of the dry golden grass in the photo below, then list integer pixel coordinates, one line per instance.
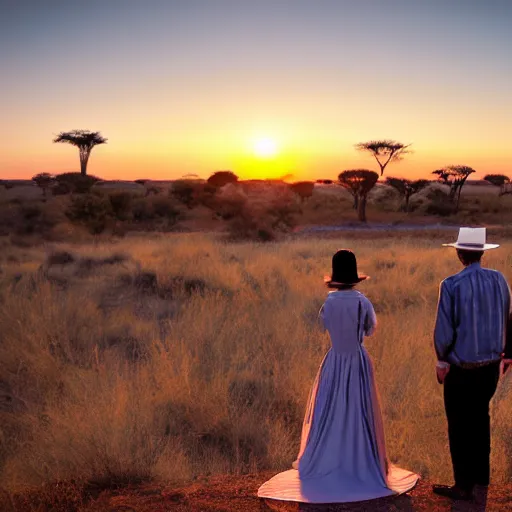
(108, 376)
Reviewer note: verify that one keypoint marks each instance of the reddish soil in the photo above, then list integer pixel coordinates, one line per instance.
(238, 494)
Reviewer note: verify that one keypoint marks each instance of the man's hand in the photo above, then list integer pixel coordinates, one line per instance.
(505, 365)
(442, 370)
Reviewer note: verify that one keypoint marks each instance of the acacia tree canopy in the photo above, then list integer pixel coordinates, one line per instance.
(44, 180)
(359, 182)
(501, 181)
(384, 151)
(220, 178)
(454, 176)
(497, 180)
(84, 140)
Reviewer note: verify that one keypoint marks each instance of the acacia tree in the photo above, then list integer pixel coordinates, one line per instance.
(501, 181)
(359, 182)
(220, 178)
(44, 181)
(384, 151)
(455, 177)
(84, 140)
(406, 188)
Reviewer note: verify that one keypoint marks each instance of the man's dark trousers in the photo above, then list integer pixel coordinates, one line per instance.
(467, 393)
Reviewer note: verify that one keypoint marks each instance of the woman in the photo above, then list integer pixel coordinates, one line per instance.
(342, 456)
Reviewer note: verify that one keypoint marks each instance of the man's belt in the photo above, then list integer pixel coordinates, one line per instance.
(471, 366)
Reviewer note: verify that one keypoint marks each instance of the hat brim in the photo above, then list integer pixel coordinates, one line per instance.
(329, 282)
(484, 247)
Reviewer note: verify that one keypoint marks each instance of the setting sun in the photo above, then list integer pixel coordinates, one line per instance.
(265, 147)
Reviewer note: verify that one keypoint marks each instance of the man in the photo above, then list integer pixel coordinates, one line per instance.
(471, 343)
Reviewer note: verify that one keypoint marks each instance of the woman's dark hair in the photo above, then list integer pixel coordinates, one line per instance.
(469, 257)
(341, 286)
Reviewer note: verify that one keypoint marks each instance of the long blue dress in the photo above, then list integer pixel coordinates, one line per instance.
(342, 457)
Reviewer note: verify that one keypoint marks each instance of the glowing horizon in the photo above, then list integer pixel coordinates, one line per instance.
(187, 88)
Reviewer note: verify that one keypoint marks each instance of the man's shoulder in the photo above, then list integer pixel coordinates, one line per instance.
(492, 271)
(495, 274)
(450, 280)
(463, 275)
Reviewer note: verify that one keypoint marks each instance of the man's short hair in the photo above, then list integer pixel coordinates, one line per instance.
(468, 257)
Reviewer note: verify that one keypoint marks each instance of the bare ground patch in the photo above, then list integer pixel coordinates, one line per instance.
(236, 494)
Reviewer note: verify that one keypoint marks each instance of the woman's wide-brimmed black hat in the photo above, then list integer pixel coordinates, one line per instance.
(344, 270)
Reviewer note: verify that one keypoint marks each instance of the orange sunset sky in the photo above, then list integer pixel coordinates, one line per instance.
(190, 86)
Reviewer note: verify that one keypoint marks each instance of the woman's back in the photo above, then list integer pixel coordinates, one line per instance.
(342, 456)
(348, 316)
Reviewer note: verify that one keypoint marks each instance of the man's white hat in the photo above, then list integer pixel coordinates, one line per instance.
(472, 239)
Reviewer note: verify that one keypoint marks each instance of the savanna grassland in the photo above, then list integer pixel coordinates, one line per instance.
(147, 334)
(169, 356)
(259, 211)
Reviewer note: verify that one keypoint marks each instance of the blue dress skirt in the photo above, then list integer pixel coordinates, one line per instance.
(342, 457)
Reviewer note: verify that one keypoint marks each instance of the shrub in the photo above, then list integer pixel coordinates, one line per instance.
(247, 227)
(304, 189)
(164, 207)
(440, 203)
(283, 211)
(75, 182)
(61, 189)
(34, 220)
(153, 190)
(120, 203)
(228, 202)
(188, 192)
(91, 211)
(30, 211)
(142, 209)
(156, 207)
(264, 221)
(384, 197)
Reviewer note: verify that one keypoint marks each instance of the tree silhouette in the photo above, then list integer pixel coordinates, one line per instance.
(501, 181)
(44, 181)
(220, 178)
(384, 151)
(359, 182)
(455, 177)
(84, 140)
(304, 189)
(406, 188)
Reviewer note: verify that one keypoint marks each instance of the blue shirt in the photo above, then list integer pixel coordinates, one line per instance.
(472, 316)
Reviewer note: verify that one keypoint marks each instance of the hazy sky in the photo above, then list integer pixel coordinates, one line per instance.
(186, 86)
